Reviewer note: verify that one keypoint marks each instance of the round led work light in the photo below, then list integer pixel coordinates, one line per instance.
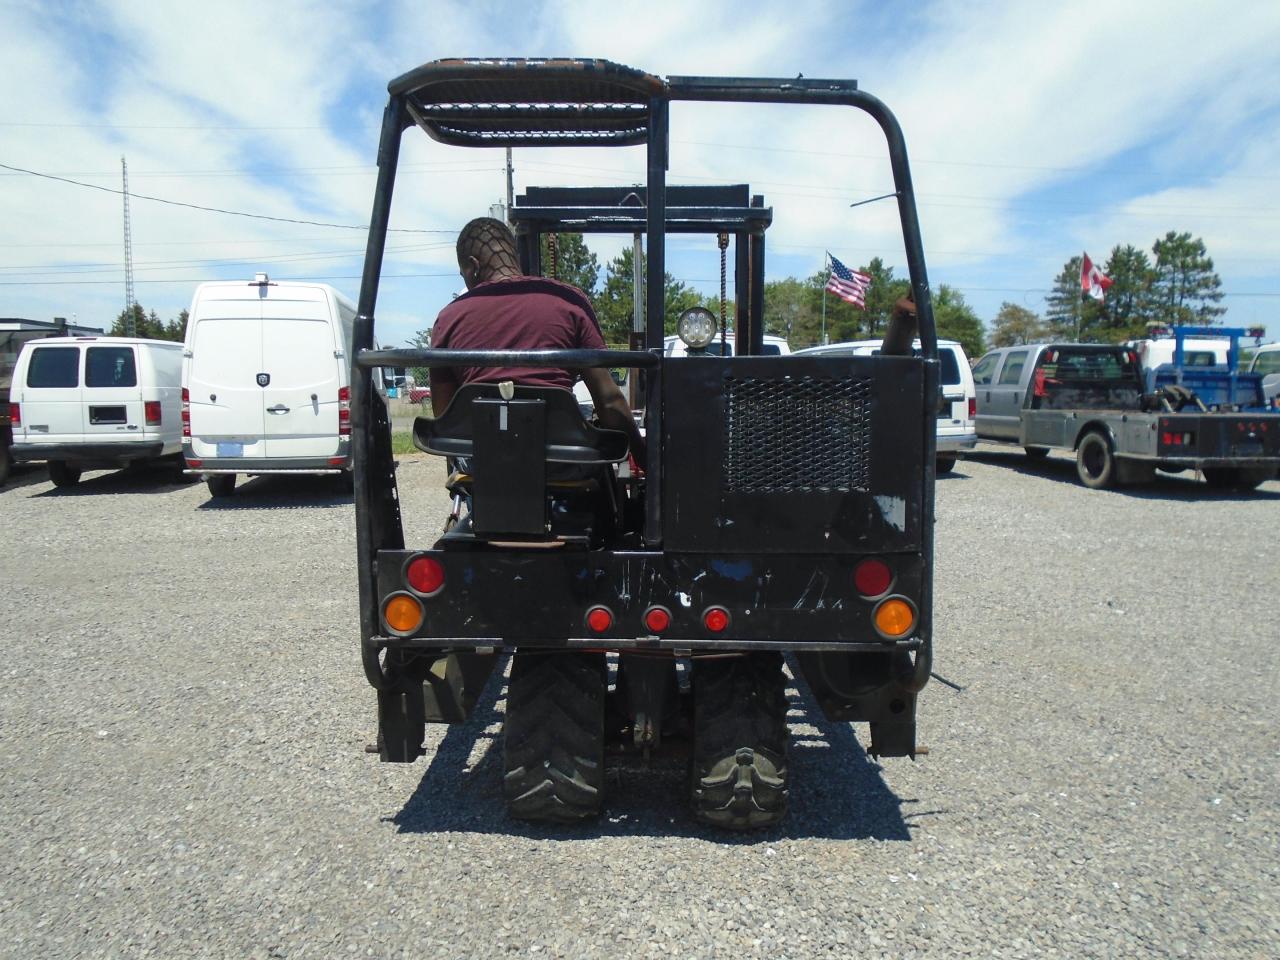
(697, 327)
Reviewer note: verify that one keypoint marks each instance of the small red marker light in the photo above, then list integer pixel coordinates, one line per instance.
(657, 619)
(599, 619)
(716, 619)
(872, 578)
(425, 575)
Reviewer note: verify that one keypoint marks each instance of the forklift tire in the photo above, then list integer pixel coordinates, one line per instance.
(1036, 453)
(221, 484)
(738, 773)
(944, 464)
(1235, 478)
(1095, 463)
(553, 737)
(64, 474)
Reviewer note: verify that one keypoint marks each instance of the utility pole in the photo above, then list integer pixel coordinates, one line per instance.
(510, 188)
(129, 328)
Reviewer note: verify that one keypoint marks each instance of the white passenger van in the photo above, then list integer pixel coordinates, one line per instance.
(96, 403)
(956, 406)
(266, 380)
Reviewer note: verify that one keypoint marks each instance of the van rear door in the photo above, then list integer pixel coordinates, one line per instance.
(226, 402)
(112, 399)
(52, 411)
(300, 353)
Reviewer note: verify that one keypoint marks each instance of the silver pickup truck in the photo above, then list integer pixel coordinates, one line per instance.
(1088, 398)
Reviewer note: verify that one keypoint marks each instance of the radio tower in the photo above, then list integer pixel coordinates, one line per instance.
(128, 256)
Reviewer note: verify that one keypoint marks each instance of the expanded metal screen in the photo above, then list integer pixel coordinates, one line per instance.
(796, 435)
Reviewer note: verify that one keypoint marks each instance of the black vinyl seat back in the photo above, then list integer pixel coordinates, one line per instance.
(567, 438)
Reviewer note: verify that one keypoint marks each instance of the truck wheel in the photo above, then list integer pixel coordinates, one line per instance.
(1036, 453)
(64, 474)
(738, 775)
(1235, 478)
(945, 464)
(1095, 464)
(553, 737)
(221, 484)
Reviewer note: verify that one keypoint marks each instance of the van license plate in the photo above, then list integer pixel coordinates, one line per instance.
(231, 449)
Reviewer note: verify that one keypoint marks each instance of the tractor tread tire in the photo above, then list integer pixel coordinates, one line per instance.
(738, 776)
(553, 737)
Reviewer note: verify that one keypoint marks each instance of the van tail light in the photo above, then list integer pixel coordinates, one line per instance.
(973, 407)
(152, 412)
(186, 412)
(15, 415)
(344, 411)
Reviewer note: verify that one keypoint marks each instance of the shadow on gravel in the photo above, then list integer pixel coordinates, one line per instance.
(129, 480)
(837, 791)
(281, 493)
(26, 475)
(1184, 486)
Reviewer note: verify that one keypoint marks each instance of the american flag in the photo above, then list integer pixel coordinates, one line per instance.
(848, 284)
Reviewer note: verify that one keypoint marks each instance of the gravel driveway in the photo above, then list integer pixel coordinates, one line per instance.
(183, 724)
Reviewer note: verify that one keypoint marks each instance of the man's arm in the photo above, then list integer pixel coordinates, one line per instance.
(443, 386)
(612, 409)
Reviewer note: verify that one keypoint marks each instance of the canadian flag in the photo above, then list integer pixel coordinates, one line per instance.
(1092, 280)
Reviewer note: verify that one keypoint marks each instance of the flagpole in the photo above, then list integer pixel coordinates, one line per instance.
(826, 263)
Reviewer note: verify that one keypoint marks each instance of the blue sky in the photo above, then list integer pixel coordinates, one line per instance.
(1035, 131)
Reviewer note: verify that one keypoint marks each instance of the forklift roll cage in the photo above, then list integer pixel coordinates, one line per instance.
(577, 102)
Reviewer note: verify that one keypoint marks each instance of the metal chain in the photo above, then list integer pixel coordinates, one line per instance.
(723, 241)
(553, 246)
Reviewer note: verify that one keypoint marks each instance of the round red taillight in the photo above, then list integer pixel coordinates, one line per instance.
(872, 578)
(716, 619)
(425, 575)
(657, 619)
(599, 619)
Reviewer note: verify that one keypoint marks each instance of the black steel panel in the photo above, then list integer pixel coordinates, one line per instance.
(793, 454)
(509, 491)
(509, 596)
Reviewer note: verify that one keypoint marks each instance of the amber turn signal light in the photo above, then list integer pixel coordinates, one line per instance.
(402, 613)
(894, 618)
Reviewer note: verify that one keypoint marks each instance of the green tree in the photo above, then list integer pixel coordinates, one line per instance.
(421, 341)
(574, 263)
(148, 325)
(955, 320)
(613, 303)
(1070, 315)
(1015, 325)
(1129, 303)
(1185, 286)
(881, 296)
(791, 311)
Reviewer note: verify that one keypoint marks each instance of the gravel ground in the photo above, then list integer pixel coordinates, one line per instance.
(183, 724)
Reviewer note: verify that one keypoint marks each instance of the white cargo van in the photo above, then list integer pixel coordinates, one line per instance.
(95, 402)
(266, 380)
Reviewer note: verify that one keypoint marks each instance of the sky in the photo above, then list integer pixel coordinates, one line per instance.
(1035, 132)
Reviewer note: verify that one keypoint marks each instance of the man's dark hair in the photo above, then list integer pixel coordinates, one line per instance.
(493, 245)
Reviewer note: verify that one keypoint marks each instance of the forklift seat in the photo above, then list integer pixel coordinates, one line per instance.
(567, 438)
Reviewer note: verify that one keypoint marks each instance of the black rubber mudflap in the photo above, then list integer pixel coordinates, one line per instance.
(739, 765)
(553, 738)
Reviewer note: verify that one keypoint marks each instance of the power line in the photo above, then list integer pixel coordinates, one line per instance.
(233, 213)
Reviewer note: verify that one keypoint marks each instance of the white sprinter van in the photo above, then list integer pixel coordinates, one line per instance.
(266, 381)
(96, 403)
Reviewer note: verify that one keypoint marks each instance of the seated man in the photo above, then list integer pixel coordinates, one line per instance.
(505, 310)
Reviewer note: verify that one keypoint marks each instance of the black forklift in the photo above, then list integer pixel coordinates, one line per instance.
(786, 508)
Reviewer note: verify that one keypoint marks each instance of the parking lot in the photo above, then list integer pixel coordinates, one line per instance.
(184, 721)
